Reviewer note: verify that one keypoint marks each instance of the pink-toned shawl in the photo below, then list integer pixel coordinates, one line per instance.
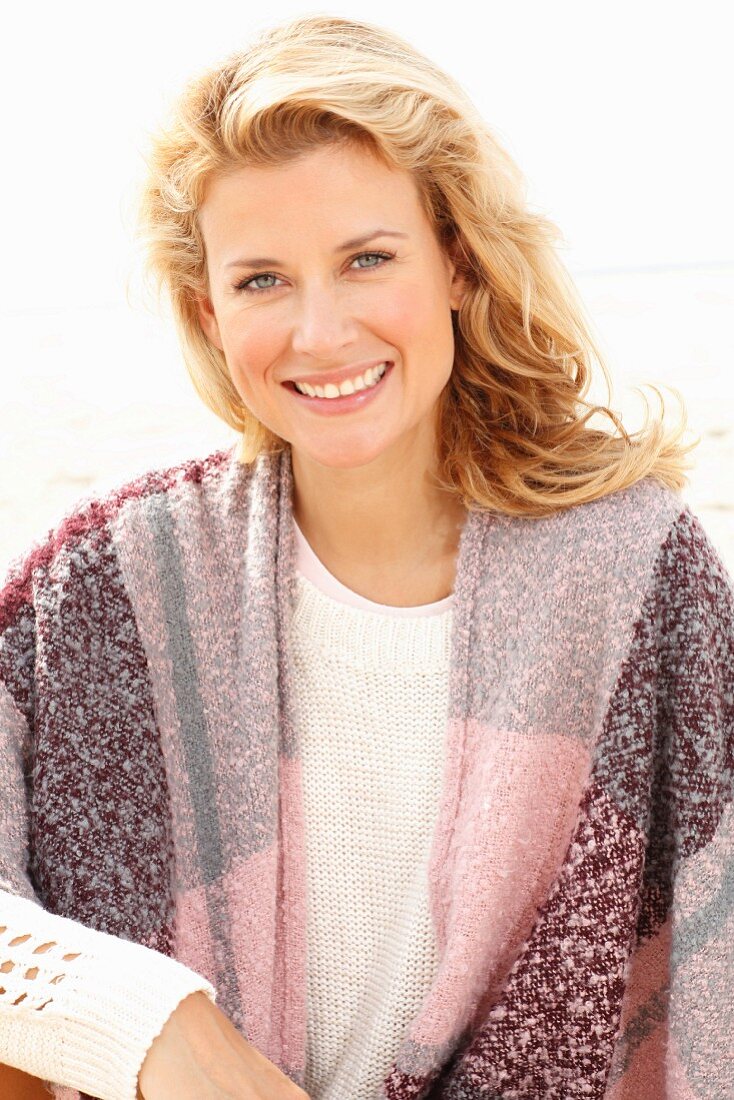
(581, 868)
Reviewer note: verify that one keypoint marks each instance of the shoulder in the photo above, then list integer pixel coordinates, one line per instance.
(682, 655)
(649, 518)
(82, 535)
(657, 531)
(688, 559)
(692, 602)
(640, 514)
(603, 551)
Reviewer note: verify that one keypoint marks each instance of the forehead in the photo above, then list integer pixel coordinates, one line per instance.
(330, 189)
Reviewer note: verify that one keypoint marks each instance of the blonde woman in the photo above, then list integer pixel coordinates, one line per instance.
(388, 752)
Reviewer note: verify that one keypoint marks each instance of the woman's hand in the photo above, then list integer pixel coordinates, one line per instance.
(200, 1055)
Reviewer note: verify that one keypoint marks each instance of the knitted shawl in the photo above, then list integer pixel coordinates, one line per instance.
(581, 869)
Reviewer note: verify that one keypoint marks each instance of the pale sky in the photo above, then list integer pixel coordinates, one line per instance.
(618, 114)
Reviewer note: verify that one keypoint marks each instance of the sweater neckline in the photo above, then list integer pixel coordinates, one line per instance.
(322, 627)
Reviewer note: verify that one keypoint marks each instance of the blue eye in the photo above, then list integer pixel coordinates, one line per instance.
(246, 286)
(379, 255)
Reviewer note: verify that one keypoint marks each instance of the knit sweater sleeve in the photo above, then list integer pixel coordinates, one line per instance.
(78, 1007)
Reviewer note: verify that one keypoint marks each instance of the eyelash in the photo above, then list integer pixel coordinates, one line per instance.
(244, 285)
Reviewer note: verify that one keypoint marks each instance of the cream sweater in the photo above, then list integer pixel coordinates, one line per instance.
(370, 800)
(361, 669)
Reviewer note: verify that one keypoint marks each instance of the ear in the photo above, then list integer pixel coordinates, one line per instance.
(208, 320)
(459, 287)
(459, 283)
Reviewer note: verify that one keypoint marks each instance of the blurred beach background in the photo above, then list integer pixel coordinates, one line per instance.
(617, 116)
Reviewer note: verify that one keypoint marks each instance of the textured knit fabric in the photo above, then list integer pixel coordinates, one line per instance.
(580, 877)
(78, 1006)
(370, 697)
(124, 993)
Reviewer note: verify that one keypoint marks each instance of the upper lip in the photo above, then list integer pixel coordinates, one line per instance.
(336, 377)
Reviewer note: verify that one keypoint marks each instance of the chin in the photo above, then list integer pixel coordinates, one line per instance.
(347, 457)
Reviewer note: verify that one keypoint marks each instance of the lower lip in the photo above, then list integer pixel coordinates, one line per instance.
(332, 406)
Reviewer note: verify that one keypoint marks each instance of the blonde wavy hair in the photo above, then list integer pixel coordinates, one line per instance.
(512, 421)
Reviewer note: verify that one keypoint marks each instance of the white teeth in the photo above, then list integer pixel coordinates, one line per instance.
(361, 382)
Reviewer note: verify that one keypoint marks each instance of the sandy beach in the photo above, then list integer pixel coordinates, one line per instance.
(90, 398)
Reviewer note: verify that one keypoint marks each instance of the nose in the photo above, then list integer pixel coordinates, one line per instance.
(323, 325)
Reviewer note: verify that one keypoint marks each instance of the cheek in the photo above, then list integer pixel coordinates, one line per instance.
(249, 349)
(405, 314)
(417, 320)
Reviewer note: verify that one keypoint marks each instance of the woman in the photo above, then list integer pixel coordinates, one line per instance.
(424, 673)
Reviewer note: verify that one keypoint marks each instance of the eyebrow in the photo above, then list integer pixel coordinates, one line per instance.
(355, 242)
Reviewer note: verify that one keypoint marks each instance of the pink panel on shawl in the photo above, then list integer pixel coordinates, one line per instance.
(649, 972)
(249, 888)
(248, 892)
(654, 1072)
(647, 977)
(193, 945)
(517, 811)
(655, 1069)
(289, 984)
(250, 899)
(645, 1075)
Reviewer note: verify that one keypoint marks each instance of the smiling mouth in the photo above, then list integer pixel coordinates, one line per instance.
(340, 398)
(331, 386)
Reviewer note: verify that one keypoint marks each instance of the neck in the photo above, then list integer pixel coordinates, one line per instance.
(384, 529)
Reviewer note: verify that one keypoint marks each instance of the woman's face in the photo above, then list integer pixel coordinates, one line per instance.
(293, 296)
